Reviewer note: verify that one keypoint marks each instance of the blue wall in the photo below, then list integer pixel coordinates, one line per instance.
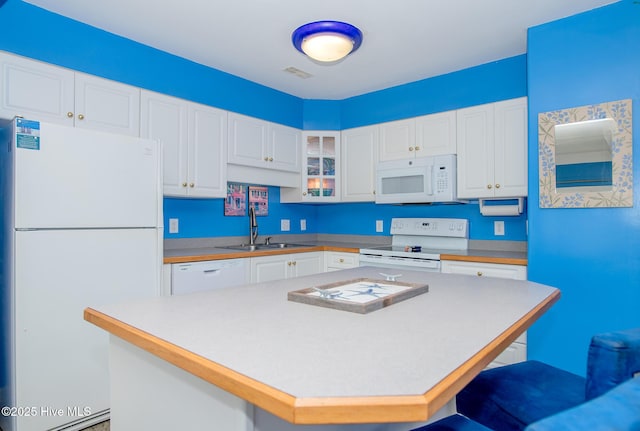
(590, 254)
(33, 32)
(491, 82)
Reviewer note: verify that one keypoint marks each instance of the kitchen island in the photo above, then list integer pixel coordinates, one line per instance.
(203, 361)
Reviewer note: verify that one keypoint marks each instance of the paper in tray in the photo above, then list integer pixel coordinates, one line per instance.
(360, 295)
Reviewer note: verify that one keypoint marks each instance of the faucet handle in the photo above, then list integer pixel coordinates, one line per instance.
(267, 240)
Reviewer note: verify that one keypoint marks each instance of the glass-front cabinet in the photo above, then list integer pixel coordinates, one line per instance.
(321, 166)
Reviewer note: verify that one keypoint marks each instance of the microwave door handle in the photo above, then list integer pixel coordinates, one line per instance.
(431, 180)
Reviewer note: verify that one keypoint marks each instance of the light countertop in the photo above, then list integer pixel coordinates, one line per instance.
(181, 255)
(309, 364)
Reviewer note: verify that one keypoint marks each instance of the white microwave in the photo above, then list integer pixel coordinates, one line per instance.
(418, 180)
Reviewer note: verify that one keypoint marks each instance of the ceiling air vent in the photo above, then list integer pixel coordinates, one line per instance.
(297, 72)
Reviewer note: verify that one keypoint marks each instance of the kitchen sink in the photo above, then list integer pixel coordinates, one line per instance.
(272, 246)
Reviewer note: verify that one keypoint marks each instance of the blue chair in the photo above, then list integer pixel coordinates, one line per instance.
(618, 409)
(512, 397)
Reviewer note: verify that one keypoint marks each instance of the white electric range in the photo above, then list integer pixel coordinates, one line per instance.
(416, 243)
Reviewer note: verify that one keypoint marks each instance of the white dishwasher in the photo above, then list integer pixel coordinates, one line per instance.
(212, 274)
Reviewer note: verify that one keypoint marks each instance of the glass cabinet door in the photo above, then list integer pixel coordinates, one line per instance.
(320, 160)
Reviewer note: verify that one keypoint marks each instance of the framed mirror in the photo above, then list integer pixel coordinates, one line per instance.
(585, 156)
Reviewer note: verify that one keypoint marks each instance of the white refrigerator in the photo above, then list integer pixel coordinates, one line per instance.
(81, 225)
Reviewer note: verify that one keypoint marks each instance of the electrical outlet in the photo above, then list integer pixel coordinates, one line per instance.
(173, 225)
(379, 226)
(285, 225)
(498, 227)
(303, 224)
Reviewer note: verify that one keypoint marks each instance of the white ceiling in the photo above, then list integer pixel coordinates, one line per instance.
(404, 40)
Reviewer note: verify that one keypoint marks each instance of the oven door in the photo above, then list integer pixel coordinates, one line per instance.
(413, 264)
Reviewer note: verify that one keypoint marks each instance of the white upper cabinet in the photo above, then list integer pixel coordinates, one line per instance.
(511, 138)
(492, 150)
(283, 147)
(106, 105)
(193, 139)
(36, 90)
(207, 161)
(359, 156)
(321, 166)
(436, 134)
(427, 135)
(261, 144)
(398, 139)
(44, 92)
(247, 141)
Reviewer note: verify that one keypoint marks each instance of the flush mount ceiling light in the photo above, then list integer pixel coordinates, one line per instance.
(327, 41)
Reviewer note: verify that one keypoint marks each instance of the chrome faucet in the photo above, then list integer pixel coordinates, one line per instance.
(253, 226)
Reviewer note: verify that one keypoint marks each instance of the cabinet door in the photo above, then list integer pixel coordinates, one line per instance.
(35, 90)
(164, 118)
(475, 134)
(515, 272)
(335, 261)
(247, 141)
(359, 158)
(284, 148)
(207, 152)
(436, 134)
(101, 104)
(511, 148)
(306, 264)
(320, 173)
(397, 139)
(270, 268)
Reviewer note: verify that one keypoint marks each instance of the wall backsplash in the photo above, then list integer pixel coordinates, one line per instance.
(201, 218)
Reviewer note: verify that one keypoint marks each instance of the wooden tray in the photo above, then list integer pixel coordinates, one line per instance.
(359, 295)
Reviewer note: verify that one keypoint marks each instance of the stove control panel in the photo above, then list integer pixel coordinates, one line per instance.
(447, 227)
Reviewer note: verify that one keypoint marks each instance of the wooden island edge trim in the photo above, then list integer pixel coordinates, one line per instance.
(448, 387)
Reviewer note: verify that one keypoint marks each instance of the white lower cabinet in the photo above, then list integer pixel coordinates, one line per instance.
(336, 260)
(515, 272)
(282, 266)
(517, 351)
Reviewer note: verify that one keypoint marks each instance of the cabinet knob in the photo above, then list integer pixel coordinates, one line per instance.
(266, 159)
(479, 273)
(304, 193)
(271, 159)
(294, 263)
(489, 186)
(417, 148)
(289, 263)
(184, 184)
(497, 186)
(70, 114)
(80, 117)
(410, 148)
(191, 185)
(341, 260)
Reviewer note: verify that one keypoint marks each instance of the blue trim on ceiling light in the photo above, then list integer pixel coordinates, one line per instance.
(317, 27)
